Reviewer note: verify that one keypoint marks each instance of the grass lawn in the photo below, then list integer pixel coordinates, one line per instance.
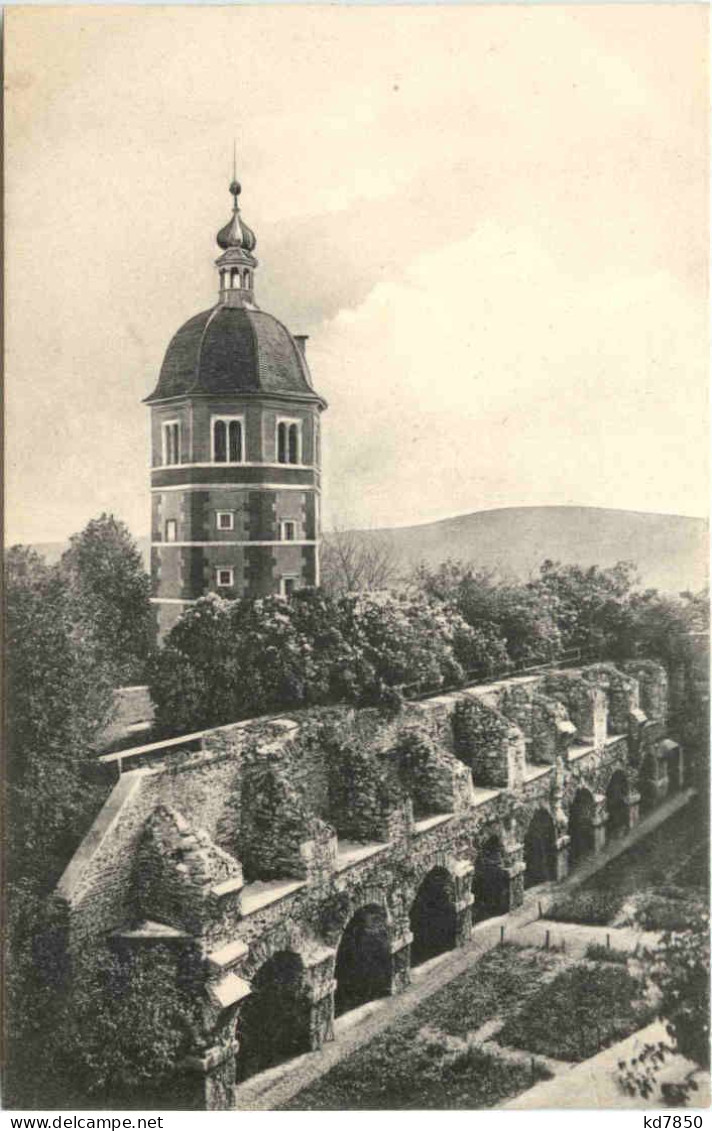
(405, 1067)
(585, 1008)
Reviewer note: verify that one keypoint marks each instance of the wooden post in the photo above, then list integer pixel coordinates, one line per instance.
(501, 936)
(608, 941)
(546, 944)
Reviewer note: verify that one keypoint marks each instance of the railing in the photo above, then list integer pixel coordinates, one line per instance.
(415, 691)
(192, 742)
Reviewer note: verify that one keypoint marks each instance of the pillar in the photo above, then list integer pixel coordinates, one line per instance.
(514, 892)
(463, 872)
(632, 802)
(599, 823)
(321, 1015)
(209, 1079)
(400, 961)
(562, 856)
(319, 971)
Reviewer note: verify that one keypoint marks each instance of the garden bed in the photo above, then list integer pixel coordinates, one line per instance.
(416, 1063)
(584, 1009)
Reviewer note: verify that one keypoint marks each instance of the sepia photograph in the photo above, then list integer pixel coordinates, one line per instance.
(356, 559)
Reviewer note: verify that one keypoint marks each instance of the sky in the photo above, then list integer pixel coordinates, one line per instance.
(492, 221)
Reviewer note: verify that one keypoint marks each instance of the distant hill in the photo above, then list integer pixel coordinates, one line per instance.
(671, 551)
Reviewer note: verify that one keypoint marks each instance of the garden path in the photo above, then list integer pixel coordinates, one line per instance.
(593, 1084)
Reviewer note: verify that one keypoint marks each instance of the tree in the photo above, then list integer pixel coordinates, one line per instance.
(522, 619)
(104, 568)
(590, 604)
(679, 970)
(58, 696)
(352, 561)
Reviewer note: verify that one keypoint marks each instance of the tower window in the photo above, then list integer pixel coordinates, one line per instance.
(235, 278)
(171, 442)
(289, 441)
(227, 441)
(171, 530)
(225, 578)
(287, 530)
(287, 586)
(225, 520)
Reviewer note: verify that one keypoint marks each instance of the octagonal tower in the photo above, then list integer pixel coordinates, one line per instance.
(235, 449)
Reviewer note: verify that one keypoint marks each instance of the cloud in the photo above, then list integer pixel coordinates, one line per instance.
(491, 375)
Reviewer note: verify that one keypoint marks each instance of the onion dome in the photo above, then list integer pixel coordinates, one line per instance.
(236, 233)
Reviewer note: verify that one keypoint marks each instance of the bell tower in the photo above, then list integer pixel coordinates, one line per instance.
(235, 448)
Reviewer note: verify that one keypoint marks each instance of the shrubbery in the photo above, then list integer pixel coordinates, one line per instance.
(72, 632)
(597, 611)
(228, 660)
(595, 906)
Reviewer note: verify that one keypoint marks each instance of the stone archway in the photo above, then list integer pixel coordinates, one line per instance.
(363, 960)
(616, 805)
(540, 850)
(433, 917)
(491, 883)
(581, 826)
(274, 1021)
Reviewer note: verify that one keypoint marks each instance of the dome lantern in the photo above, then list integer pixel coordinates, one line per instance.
(236, 266)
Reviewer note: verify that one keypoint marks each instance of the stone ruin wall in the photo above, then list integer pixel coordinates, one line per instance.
(194, 842)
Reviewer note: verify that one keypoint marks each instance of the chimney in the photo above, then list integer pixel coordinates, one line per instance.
(301, 340)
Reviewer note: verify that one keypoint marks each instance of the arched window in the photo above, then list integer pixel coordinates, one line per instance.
(220, 441)
(235, 441)
(235, 277)
(289, 441)
(171, 442)
(246, 280)
(227, 443)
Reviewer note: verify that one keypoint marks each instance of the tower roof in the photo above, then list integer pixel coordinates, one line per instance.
(233, 350)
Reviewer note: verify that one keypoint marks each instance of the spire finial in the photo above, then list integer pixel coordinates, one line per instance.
(235, 186)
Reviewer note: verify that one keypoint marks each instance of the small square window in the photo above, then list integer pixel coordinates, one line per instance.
(226, 520)
(225, 578)
(171, 530)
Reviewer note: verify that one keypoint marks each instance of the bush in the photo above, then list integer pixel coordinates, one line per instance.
(598, 908)
(128, 1023)
(656, 912)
